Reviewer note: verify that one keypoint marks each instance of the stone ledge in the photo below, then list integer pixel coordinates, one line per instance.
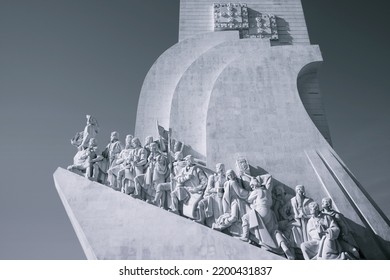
(111, 225)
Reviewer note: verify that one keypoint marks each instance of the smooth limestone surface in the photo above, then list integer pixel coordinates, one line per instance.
(112, 225)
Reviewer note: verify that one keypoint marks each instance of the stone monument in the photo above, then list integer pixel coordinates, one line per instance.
(240, 83)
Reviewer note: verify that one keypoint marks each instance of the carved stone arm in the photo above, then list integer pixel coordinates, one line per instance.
(202, 178)
(98, 158)
(142, 160)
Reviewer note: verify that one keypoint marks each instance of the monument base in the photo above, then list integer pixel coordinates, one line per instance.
(112, 225)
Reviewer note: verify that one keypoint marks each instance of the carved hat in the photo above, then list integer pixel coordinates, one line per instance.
(190, 159)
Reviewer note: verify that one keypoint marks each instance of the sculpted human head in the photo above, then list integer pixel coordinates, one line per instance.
(254, 183)
(92, 142)
(178, 156)
(153, 147)
(314, 208)
(136, 143)
(326, 203)
(220, 168)
(148, 140)
(91, 120)
(231, 175)
(114, 136)
(243, 165)
(129, 137)
(300, 189)
(189, 160)
(177, 146)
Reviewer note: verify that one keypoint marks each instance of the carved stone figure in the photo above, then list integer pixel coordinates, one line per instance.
(88, 161)
(323, 232)
(163, 190)
(191, 180)
(119, 163)
(157, 171)
(176, 153)
(110, 153)
(163, 194)
(244, 172)
(210, 207)
(148, 141)
(178, 163)
(135, 166)
(285, 216)
(234, 204)
(300, 204)
(160, 187)
(346, 240)
(152, 160)
(80, 162)
(261, 220)
(113, 149)
(279, 200)
(90, 131)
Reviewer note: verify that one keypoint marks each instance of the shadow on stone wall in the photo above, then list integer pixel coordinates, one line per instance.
(363, 235)
(283, 32)
(256, 171)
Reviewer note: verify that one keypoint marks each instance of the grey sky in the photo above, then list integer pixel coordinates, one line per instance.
(62, 59)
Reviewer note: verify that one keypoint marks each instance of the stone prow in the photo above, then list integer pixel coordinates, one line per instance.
(112, 225)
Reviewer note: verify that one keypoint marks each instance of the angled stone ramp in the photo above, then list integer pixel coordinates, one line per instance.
(111, 225)
(160, 82)
(192, 93)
